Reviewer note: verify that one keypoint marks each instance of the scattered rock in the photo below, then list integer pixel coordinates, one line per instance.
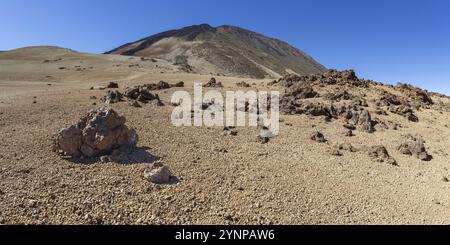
(105, 159)
(349, 133)
(112, 97)
(219, 149)
(158, 86)
(415, 148)
(405, 111)
(349, 127)
(179, 84)
(213, 84)
(157, 173)
(415, 94)
(332, 77)
(365, 120)
(388, 99)
(134, 103)
(347, 147)
(318, 137)
(263, 140)
(142, 94)
(113, 85)
(336, 152)
(243, 85)
(98, 133)
(343, 95)
(229, 131)
(380, 154)
(300, 91)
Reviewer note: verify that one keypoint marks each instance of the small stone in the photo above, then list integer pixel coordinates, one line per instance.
(263, 140)
(319, 137)
(32, 203)
(228, 217)
(158, 174)
(336, 153)
(349, 133)
(229, 131)
(105, 159)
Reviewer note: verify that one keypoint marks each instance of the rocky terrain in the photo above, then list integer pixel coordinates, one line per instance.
(87, 139)
(226, 50)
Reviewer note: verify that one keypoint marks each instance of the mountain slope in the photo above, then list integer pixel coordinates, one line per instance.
(227, 50)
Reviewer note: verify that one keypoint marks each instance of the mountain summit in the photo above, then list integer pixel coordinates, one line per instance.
(227, 50)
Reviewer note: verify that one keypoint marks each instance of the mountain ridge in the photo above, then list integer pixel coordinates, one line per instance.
(225, 49)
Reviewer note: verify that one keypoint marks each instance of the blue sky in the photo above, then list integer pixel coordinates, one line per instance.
(389, 41)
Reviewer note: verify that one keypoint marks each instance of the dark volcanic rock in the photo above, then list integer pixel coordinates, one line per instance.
(213, 84)
(158, 86)
(405, 111)
(229, 131)
(365, 120)
(415, 148)
(113, 85)
(112, 97)
(380, 154)
(415, 94)
(343, 95)
(179, 84)
(319, 137)
(299, 91)
(243, 85)
(388, 99)
(141, 94)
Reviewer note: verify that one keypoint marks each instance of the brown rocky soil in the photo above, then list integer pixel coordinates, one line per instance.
(219, 175)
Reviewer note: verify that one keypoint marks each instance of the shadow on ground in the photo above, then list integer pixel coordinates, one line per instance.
(140, 155)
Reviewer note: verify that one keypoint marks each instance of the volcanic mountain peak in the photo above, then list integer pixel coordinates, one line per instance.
(227, 50)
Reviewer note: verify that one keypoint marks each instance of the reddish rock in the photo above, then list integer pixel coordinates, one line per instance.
(98, 133)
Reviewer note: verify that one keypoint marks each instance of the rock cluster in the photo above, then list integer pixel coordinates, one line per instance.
(342, 95)
(347, 77)
(163, 85)
(405, 111)
(98, 133)
(388, 99)
(352, 114)
(300, 91)
(243, 85)
(143, 95)
(416, 95)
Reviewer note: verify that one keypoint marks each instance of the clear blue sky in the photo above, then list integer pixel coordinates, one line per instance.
(384, 40)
